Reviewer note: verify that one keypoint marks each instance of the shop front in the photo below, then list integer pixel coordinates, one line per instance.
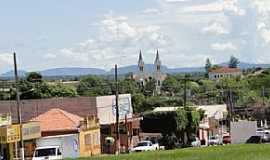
(9, 136)
(31, 132)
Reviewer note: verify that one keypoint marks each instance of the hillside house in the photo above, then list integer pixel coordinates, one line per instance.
(224, 72)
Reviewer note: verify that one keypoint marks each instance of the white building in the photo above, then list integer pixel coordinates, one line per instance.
(224, 72)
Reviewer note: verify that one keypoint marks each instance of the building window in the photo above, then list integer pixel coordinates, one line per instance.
(135, 132)
(141, 68)
(106, 130)
(87, 139)
(97, 139)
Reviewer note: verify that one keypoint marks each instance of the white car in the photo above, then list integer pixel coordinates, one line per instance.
(47, 153)
(145, 146)
(265, 134)
(260, 132)
(196, 142)
(215, 140)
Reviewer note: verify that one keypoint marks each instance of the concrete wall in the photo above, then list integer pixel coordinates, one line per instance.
(106, 111)
(216, 76)
(241, 131)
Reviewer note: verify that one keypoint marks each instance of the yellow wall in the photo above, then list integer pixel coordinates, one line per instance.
(10, 134)
(90, 142)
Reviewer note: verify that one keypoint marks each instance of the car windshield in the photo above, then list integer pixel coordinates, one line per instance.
(45, 152)
(142, 144)
(193, 139)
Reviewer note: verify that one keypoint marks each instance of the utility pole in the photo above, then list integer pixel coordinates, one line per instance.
(117, 111)
(185, 91)
(231, 104)
(263, 95)
(19, 110)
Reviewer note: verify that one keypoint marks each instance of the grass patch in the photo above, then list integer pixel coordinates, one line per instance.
(230, 152)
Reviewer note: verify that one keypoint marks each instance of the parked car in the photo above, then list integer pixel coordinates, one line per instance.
(255, 140)
(48, 152)
(145, 146)
(196, 142)
(57, 147)
(215, 140)
(266, 136)
(227, 140)
(260, 132)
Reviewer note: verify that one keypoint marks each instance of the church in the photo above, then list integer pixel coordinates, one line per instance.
(142, 75)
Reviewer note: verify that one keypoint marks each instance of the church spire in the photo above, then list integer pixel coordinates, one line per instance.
(141, 62)
(140, 56)
(157, 57)
(157, 62)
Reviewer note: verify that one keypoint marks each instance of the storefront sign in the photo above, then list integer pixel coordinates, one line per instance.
(5, 119)
(9, 134)
(31, 130)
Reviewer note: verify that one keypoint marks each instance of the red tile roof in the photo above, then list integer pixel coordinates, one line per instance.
(225, 70)
(58, 120)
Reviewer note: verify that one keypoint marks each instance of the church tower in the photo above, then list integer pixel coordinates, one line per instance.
(157, 73)
(141, 74)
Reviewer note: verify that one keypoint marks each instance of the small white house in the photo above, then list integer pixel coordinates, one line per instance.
(224, 72)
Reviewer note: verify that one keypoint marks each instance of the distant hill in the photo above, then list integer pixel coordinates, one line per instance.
(151, 68)
(134, 69)
(244, 65)
(21, 73)
(77, 71)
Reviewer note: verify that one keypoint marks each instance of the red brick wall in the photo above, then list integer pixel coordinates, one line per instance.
(82, 106)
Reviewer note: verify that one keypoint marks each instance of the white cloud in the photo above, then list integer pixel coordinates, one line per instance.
(215, 28)
(172, 1)
(6, 60)
(223, 46)
(151, 11)
(263, 25)
(49, 56)
(263, 6)
(210, 7)
(233, 7)
(228, 6)
(265, 34)
(117, 41)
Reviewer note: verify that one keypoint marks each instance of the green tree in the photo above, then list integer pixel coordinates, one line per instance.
(34, 77)
(181, 123)
(94, 86)
(233, 63)
(60, 90)
(137, 103)
(170, 85)
(128, 86)
(208, 65)
(150, 87)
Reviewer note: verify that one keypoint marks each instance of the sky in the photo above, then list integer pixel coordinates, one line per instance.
(101, 33)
